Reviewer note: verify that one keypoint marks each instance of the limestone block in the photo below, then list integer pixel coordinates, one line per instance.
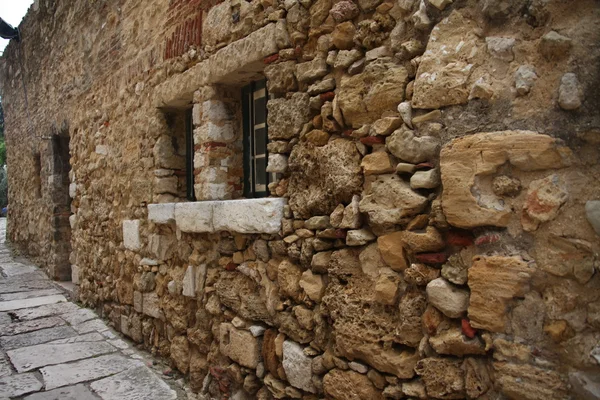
(449, 299)
(278, 163)
(544, 198)
(131, 234)
(102, 149)
(195, 217)
(189, 282)
(377, 163)
(73, 190)
(138, 301)
(466, 160)
(446, 66)
(75, 274)
(323, 177)
(287, 116)
(406, 146)
(592, 210)
(239, 345)
(217, 26)
(166, 185)
(73, 221)
(161, 246)
(297, 366)
(281, 77)
(349, 385)
(209, 131)
(151, 305)
(165, 156)
(313, 284)
(443, 377)
(501, 47)
(161, 213)
(569, 92)
(248, 216)
(311, 70)
(215, 111)
(494, 281)
(523, 381)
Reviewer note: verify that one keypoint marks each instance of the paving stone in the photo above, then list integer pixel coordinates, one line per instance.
(119, 344)
(44, 311)
(86, 370)
(28, 294)
(18, 385)
(96, 325)
(134, 384)
(5, 368)
(29, 358)
(77, 392)
(34, 302)
(79, 316)
(15, 268)
(36, 337)
(5, 318)
(88, 337)
(22, 327)
(35, 283)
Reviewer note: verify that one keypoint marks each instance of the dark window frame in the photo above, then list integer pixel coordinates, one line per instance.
(189, 156)
(256, 155)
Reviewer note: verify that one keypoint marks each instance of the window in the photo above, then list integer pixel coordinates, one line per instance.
(174, 155)
(189, 156)
(254, 112)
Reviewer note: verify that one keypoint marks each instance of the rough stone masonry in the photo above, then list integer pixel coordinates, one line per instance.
(433, 224)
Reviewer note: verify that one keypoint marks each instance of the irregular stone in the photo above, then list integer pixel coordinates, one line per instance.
(318, 137)
(286, 117)
(420, 274)
(377, 163)
(281, 77)
(365, 96)
(359, 237)
(405, 110)
(385, 126)
(494, 281)
(440, 4)
(447, 298)
(277, 163)
(326, 85)
(349, 385)
(390, 200)
(86, 370)
(345, 58)
(297, 366)
(501, 47)
(429, 241)
(445, 67)
(506, 186)
(165, 156)
(133, 384)
(343, 35)
(425, 179)
(569, 92)
(405, 168)
(453, 342)
(310, 71)
(18, 385)
(592, 212)
(409, 331)
(323, 177)
(555, 46)
(344, 10)
(393, 254)
(585, 384)
(481, 90)
(387, 287)
(352, 218)
(239, 345)
(33, 357)
(467, 205)
(525, 77)
(544, 198)
(407, 147)
(477, 377)
(320, 261)
(455, 270)
(443, 377)
(523, 381)
(318, 222)
(313, 285)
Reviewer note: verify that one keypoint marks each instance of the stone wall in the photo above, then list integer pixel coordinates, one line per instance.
(434, 228)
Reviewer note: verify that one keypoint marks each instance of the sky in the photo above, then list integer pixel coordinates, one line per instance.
(12, 11)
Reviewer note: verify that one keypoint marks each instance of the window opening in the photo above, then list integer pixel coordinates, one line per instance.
(189, 156)
(254, 110)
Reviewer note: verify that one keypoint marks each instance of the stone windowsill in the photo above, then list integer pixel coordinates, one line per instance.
(242, 216)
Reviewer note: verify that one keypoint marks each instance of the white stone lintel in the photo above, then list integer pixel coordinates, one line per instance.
(242, 216)
(162, 213)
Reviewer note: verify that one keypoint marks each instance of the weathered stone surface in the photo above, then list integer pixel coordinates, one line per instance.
(287, 116)
(359, 237)
(313, 285)
(569, 92)
(281, 77)
(390, 200)
(377, 163)
(454, 342)
(36, 337)
(85, 370)
(447, 64)
(449, 299)
(323, 177)
(33, 302)
(443, 378)
(77, 392)
(239, 345)
(501, 47)
(133, 384)
(18, 385)
(32, 357)
(544, 198)
(131, 234)
(365, 96)
(161, 213)
(16, 328)
(528, 382)
(592, 210)
(288, 278)
(344, 10)
(494, 281)
(555, 46)
(525, 77)
(425, 179)
(406, 146)
(467, 207)
(420, 242)
(297, 366)
(350, 385)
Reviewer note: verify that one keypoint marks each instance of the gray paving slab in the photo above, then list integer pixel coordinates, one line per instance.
(44, 311)
(34, 302)
(88, 337)
(86, 370)
(95, 325)
(28, 277)
(27, 326)
(134, 384)
(36, 283)
(29, 294)
(5, 367)
(41, 355)
(77, 392)
(36, 337)
(18, 385)
(79, 316)
(10, 269)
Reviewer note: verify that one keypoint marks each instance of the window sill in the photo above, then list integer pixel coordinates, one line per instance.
(242, 216)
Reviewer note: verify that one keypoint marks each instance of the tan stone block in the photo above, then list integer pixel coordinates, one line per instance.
(313, 285)
(392, 252)
(494, 281)
(239, 345)
(377, 163)
(350, 385)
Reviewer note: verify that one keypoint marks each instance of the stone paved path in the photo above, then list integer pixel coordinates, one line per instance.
(53, 349)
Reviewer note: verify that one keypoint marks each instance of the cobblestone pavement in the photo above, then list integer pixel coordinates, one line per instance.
(54, 349)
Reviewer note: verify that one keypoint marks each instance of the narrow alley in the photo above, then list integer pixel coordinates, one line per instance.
(54, 349)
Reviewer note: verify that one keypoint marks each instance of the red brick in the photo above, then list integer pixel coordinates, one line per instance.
(271, 59)
(432, 258)
(371, 140)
